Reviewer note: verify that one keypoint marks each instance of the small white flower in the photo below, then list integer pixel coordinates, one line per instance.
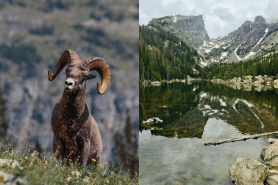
(75, 173)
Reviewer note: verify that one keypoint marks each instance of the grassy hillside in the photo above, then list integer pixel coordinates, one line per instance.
(34, 34)
(36, 168)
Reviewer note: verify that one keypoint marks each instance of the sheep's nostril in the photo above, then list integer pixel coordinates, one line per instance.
(68, 83)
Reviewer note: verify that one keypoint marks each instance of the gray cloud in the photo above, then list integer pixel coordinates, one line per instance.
(220, 17)
(224, 14)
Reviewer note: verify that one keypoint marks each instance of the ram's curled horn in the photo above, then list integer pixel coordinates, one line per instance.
(67, 57)
(101, 66)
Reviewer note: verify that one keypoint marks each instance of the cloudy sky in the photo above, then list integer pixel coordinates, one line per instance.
(220, 17)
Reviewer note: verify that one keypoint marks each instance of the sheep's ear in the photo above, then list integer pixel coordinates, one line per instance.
(87, 75)
(91, 77)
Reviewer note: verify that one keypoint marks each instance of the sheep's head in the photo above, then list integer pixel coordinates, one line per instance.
(78, 71)
(76, 76)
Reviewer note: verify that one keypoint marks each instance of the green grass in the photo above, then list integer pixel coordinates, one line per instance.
(36, 168)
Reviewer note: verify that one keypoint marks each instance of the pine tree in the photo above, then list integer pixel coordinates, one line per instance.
(3, 120)
(127, 149)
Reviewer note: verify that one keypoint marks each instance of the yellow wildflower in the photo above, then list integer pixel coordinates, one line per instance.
(2, 177)
(94, 160)
(77, 181)
(21, 159)
(107, 182)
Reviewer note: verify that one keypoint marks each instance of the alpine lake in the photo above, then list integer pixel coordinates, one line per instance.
(173, 152)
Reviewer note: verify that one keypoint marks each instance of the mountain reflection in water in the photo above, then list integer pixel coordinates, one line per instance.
(199, 113)
(185, 109)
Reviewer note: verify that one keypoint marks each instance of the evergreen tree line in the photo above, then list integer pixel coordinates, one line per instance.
(253, 67)
(163, 56)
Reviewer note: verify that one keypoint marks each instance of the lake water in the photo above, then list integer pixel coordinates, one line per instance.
(192, 114)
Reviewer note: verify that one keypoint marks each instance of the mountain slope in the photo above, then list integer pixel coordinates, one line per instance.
(164, 56)
(250, 40)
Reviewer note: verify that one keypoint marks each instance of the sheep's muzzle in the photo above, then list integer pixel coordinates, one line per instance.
(69, 84)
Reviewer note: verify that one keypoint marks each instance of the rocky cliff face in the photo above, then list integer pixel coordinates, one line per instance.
(193, 26)
(239, 34)
(190, 29)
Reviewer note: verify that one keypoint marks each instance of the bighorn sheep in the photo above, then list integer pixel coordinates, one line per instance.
(76, 134)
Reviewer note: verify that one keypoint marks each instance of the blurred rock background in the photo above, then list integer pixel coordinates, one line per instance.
(33, 36)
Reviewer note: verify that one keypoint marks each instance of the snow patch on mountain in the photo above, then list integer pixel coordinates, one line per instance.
(250, 54)
(216, 46)
(224, 47)
(236, 54)
(203, 95)
(204, 64)
(223, 55)
(205, 43)
(208, 50)
(266, 31)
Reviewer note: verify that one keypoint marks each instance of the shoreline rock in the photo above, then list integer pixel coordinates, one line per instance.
(247, 171)
(256, 80)
(247, 82)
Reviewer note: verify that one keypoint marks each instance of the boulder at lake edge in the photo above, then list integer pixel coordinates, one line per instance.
(248, 172)
(270, 155)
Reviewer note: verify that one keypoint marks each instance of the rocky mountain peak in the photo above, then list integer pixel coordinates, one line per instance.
(194, 25)
(259, 20)
(191, 29)
(247, 23)
(251, 31)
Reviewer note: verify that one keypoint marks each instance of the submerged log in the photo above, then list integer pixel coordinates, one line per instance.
(244, 138)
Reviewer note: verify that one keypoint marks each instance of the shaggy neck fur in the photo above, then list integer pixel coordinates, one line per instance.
(73, 104)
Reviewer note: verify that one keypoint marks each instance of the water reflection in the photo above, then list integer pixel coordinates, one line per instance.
(185, 109)
(196, 114)
(187, 161)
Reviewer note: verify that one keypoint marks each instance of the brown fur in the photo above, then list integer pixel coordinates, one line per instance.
(76, 134)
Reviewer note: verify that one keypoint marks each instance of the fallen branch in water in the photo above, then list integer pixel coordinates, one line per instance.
(255, 136)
